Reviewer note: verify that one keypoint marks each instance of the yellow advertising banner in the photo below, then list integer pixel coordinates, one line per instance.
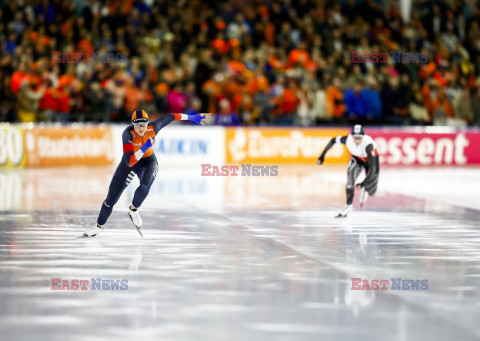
(283, 145)
(12, 147)
(69, 146)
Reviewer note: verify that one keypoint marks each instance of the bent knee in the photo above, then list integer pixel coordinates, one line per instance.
(144, 187)
(108, 203)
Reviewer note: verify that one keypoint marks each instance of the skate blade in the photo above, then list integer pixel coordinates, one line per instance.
(84, 235)
(340, 216)
(131, 219)
(138, 227)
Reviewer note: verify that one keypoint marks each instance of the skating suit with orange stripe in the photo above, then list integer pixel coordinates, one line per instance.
(138, 158)
(132, 142)
(138, 151)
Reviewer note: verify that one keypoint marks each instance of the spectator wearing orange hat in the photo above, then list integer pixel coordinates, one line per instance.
(160, 95)
(219, 45)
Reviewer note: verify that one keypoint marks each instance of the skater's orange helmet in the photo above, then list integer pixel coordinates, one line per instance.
(139, 116)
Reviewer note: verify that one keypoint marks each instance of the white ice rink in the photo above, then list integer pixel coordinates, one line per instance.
(241, 258)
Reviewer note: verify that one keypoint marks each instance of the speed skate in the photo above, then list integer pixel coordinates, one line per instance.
(92, 231)
(363, 196)
(344, 212)
(136, 220)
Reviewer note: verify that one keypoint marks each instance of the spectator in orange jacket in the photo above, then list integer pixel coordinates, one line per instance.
(287, 104)
(334, 98)
(18, 77)
(63, 103)
(48, 103)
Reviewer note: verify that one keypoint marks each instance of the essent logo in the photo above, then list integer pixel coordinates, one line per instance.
(424, 150)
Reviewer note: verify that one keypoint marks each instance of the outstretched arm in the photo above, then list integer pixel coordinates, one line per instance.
(162, 122)
(338, 139)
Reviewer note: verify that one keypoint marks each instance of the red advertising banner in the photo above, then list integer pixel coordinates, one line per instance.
(427, 146)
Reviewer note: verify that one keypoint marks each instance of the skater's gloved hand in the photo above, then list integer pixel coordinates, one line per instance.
(145, 146)
(320, 159)
(198, 118)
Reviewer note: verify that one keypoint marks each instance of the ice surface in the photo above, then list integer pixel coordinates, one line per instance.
(241, 258)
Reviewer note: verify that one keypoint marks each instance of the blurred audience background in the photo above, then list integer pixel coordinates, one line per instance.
(280, 62)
